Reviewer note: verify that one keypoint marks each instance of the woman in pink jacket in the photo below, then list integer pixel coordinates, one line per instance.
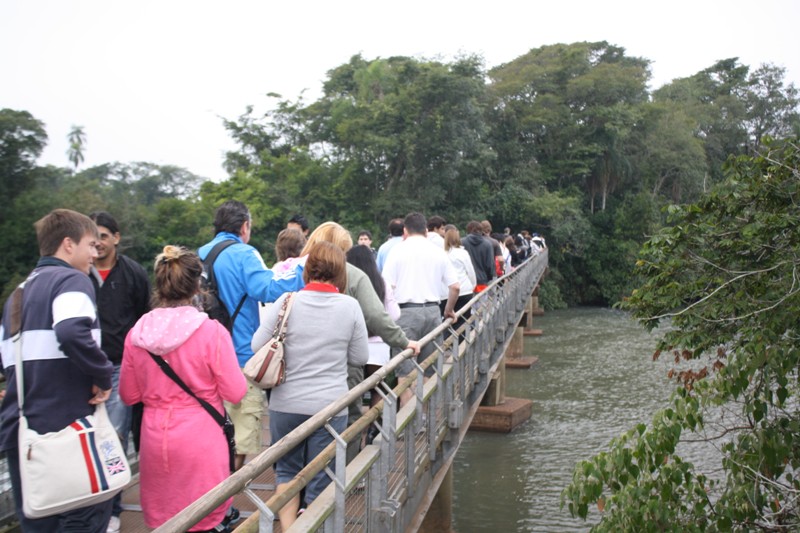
(183, 452)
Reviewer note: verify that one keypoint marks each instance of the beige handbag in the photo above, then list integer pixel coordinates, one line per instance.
(267, 368)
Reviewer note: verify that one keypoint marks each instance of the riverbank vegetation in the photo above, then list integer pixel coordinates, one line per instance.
(567, 140)
(725, 272)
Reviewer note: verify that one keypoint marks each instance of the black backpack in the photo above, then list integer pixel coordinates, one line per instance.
(212, 304)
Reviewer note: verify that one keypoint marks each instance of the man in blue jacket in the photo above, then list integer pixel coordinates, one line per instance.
(243, 277)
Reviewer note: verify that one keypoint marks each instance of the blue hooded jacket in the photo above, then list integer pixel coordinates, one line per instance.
(240, 270)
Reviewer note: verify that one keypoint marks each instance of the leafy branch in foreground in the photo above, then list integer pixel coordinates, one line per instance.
(726, 275)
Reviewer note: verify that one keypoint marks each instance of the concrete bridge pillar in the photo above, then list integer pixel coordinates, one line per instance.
(515, 356)
(497, 412)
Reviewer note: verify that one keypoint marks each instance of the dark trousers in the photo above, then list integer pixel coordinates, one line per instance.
(91, 519)
(461, 302)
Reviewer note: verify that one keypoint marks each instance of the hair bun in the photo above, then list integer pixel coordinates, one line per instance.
(171, 253)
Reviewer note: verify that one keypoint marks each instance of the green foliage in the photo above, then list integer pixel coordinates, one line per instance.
(670, 156)
(617, 236)
(151, 203)
(22, 139)
(572, 109)
(550, 296)
(724, 274)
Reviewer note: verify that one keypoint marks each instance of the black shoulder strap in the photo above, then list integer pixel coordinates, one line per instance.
(212, 278)
(238, 308)
(171, 373)
(212, 257)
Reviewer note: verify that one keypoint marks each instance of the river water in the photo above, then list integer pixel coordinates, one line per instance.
(594, 380)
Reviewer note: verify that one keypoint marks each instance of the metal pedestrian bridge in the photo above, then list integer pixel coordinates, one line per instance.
(403, 480)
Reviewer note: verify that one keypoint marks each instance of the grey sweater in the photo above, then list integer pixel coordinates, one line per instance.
(325, 331)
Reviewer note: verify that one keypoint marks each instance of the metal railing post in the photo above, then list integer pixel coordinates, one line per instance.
(339, 478)
(266, 518)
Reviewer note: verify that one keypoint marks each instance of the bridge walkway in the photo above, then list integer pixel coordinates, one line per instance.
(391, 484)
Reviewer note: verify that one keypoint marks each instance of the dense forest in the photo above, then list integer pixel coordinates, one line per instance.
(566, 140)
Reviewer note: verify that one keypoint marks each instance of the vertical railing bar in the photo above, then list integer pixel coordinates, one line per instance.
(339, 478)
(266, 518)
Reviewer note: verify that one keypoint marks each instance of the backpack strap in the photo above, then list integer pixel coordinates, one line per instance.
(212, 278)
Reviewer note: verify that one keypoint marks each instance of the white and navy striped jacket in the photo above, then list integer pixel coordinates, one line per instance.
(60, 350)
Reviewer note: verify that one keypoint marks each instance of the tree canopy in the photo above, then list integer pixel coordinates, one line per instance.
(565, 140)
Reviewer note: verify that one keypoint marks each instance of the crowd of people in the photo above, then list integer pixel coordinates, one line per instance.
(95, 331)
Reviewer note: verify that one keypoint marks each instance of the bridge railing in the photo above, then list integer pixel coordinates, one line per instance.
(389, 485)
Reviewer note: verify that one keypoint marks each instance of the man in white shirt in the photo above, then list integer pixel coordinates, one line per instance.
(436, 226)
(418, 271)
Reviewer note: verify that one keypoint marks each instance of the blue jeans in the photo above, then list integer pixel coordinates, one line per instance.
(120, 416)
(92, 519)
(288, 466)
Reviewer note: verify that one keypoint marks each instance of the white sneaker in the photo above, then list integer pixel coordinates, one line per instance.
(113, 525)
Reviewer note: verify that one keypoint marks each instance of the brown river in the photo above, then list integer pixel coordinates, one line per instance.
(594, 380)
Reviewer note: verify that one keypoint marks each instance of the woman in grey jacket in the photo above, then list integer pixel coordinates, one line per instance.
(378, 321)
(325, 333)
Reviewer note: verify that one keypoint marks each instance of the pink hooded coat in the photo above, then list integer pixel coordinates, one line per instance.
(183, 450)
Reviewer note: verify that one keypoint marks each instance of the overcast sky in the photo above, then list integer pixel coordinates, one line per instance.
(148, 80)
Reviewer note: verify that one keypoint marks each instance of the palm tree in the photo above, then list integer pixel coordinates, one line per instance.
(76, 139)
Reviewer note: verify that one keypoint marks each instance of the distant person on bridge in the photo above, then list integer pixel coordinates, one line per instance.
(288, 246)
(299, 223)
(417, 270)
(462, 262)
(538, 241)
(436, 226)
(482, 255)
(395, 237)
(365, 239)
(183, 452)
(515, 255)
(325, 333)
(498, 251)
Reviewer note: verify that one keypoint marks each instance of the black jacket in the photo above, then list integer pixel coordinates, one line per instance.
(121, 299)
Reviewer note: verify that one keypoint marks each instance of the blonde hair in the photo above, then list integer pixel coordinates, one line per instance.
(177, 273)
(329, 232)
